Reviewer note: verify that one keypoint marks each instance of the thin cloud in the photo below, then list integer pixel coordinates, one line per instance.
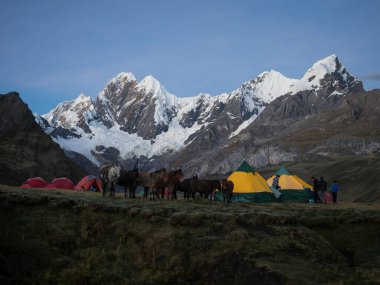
(373, 76)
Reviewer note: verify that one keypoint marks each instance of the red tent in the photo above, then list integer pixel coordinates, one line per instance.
(35, 182)
(62, 183)
(90, 182)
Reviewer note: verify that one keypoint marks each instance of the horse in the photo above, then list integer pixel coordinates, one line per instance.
(205, 188)
(227, 188)
(185, 187)
(151, 182)
(110, 174)
(173, 178)
(154, 183)
(129, 180)
(157, 184)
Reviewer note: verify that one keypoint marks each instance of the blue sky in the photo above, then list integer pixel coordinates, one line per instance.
(51, 51)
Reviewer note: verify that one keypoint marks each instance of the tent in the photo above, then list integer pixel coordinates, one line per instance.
(62, 183)
(249, 185)
(35, 182)
(90, 182)
(293, 188)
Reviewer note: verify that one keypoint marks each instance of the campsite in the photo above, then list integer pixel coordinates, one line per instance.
(190, 142)
(88, 238)
(246, 183)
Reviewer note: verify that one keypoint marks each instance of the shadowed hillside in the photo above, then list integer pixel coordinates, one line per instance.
(25, 150)
(59, 237)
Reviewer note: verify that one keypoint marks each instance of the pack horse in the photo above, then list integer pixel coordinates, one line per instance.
(110, 174)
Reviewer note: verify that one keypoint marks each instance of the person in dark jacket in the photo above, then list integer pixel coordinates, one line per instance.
(275, 182)
(322, 188)
(315, 190)
(334, 190)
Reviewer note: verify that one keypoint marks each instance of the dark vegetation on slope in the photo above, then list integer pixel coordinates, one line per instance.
(60, 237)
(25, 150)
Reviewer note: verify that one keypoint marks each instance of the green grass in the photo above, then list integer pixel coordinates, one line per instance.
(72, 237)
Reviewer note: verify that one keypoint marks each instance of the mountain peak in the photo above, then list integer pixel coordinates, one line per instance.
(81, 98)
(149, 83)
(271, 73)
(322, 67)
(128, 76)
(121, 79)
(328, 59)
(329, 63)
(267, 86)
(329, 74)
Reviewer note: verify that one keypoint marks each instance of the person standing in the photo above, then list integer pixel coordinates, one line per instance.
(334, 191)
(322, 188)
(275, 182)
(315, 190)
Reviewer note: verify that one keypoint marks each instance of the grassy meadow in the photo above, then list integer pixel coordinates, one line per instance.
(73, 237)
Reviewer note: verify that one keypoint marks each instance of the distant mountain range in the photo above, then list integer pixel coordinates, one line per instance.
(207, 134)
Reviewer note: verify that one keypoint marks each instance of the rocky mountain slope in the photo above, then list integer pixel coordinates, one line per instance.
(131, 119)
(25, 150)
(303, 131)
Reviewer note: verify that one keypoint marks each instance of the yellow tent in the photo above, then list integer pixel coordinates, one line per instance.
(293, 188)
(249, 185)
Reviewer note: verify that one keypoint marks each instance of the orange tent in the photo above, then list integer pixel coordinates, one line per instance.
(90, 182)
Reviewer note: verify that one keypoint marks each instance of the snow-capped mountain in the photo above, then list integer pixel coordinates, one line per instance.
(132, 119)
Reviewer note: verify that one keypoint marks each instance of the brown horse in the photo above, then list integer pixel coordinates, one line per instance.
(227, 188)
(158, 183)
(151, 182)
(133, 179)
(173, 178)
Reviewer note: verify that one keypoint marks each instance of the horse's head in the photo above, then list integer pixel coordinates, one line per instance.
(179, 175)
(175, 176)
(223, 183)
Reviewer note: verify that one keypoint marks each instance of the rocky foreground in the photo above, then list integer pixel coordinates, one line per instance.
(69, 237)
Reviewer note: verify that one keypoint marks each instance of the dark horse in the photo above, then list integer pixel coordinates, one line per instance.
(153, 183)
(205, 188)
(185, 187)
(129, 180)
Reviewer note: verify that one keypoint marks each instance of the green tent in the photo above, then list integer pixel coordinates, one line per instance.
(293, 188)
